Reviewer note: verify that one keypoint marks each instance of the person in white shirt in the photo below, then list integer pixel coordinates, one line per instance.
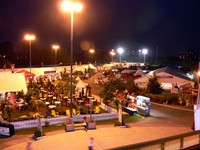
(91, 144)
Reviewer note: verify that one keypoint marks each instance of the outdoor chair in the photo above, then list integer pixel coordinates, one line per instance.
(54, 113)
(74, 111)
(97, 110)
(68, 112)
(78, 112)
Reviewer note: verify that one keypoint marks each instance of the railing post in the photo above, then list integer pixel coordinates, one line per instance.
(199, 138)
(162, 145)
(181, 142)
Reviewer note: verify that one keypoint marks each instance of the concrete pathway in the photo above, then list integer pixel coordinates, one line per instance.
(105, 137)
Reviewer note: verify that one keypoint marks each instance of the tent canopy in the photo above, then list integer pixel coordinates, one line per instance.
(12, 82)
(26, 73)
(80, 85)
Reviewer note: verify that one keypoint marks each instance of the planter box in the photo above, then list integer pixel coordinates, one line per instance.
(69, 127)
(92, 125)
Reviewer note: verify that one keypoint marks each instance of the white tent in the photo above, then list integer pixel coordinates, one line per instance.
(169, 78)
(83, 67)
(12, 82)
(80, 86)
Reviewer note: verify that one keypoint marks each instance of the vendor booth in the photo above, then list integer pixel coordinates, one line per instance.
(143, 105)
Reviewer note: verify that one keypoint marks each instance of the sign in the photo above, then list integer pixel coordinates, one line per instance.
(4, 131)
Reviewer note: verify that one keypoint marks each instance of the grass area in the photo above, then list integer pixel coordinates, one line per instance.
(44, 129)
(127, 119)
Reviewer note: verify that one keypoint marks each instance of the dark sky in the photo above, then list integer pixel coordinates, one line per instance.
(170, 25)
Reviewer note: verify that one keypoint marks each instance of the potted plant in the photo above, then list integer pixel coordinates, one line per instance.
(91, 124)
(69, 125)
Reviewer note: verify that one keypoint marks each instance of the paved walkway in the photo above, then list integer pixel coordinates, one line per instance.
(105, 137)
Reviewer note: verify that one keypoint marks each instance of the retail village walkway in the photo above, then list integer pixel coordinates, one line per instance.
(105, 137)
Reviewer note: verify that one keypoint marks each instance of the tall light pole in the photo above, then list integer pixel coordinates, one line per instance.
(92, 53)
(112, 53)
(30, 38)
(71, 6)
(120, 51)
(55, 47)
(140, 51)
(144, 52)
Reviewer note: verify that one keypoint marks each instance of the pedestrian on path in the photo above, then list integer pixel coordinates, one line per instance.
(91, 144)
(85, 123)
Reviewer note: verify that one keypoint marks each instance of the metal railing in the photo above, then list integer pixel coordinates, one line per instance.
(181, 141)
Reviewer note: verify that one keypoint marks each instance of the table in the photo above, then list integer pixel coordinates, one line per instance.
(57, 102)
(20, 105)
(47, 103)
(65, 97)
(50, 95)
(52, 106)
(42, 98)
(80, 101)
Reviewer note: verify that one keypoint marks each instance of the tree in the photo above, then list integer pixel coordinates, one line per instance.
(131, 86)
(110, 88)
(154, 86)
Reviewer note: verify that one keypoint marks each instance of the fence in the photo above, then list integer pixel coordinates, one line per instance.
(104, 106)
(61, 119)
(181, 141)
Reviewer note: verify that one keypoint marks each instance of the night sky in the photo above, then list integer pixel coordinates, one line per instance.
(170, 26)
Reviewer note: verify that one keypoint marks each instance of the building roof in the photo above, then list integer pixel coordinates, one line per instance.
(171, 71)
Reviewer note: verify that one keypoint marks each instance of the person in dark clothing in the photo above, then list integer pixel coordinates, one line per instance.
(85, 123)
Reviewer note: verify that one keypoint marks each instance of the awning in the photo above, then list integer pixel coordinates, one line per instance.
(26, 73)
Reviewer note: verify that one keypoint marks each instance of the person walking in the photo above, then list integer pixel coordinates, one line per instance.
(85, 123)
(91, 144)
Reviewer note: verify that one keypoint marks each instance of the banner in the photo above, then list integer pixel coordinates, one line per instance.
(4, 131)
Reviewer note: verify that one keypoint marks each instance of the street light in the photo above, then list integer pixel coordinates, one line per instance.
(71, 6)
(55, 47)
(120, 51)
(30, 38)
(92, 53)
(112, 53)
(140, 51)
(144, 52)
